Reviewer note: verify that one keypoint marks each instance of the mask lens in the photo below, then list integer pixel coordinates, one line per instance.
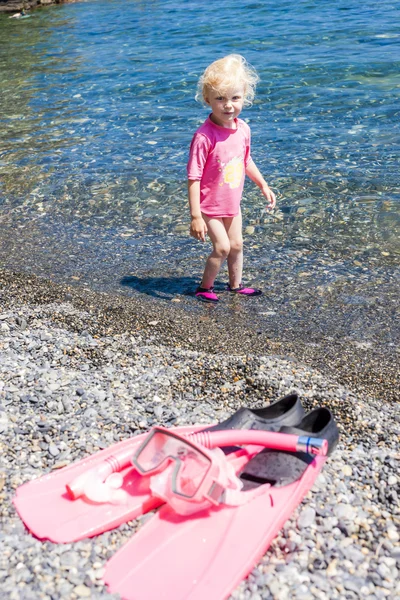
(191, 464)
(193, 468)
(153, 453)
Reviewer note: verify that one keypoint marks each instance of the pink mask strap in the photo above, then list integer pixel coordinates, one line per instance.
(238, 498)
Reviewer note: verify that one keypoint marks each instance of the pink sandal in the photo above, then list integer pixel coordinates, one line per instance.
(207, 295)
(245, 291)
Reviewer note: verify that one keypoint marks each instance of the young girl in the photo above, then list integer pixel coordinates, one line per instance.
(218, 162)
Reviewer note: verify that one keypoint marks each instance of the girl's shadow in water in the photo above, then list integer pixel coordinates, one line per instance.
(164, 288)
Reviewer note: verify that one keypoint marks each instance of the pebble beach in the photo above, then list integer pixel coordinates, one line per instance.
(74, 381)
(100, 334)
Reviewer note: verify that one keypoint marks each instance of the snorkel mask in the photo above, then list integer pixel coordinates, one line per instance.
(190, 477)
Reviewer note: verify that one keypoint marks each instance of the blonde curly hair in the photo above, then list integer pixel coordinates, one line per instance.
(227, 73)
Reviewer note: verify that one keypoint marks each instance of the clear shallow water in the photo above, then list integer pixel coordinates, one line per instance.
(98, 109)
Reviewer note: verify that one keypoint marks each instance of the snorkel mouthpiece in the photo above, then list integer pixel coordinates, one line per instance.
(101, 484)
(78, 486)
(311, 445)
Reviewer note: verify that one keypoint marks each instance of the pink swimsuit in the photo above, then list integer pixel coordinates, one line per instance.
(218, 159)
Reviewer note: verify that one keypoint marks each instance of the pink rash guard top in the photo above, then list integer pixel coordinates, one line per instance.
(218, 159)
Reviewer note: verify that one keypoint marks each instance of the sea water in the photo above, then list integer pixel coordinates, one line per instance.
(98, 110)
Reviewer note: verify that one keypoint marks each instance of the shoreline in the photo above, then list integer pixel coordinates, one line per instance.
(13, 6)
(369, 370)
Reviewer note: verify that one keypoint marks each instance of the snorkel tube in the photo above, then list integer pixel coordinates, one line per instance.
(269, 439)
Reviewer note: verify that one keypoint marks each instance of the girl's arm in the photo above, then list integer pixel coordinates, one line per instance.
(198, 228)
(255, 175)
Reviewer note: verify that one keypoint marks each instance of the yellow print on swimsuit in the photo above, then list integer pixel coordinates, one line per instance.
(233, 172)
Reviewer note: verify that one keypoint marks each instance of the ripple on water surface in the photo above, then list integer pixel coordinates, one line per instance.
(98, 112)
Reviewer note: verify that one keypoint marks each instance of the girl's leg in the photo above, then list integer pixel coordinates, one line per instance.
(221, 250)
(235, 259)
(233, 228)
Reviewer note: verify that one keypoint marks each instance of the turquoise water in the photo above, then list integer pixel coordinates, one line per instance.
(98, 109)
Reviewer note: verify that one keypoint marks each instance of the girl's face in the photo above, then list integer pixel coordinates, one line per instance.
(225, 106)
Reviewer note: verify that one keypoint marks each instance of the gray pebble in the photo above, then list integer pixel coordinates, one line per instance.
(3, 422)
(158, 412)
(53, 450)
(344, 511)
(22, 324)
(306, 517)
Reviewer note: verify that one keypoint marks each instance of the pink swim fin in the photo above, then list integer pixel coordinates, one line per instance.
(49, 513)
(207, 554)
